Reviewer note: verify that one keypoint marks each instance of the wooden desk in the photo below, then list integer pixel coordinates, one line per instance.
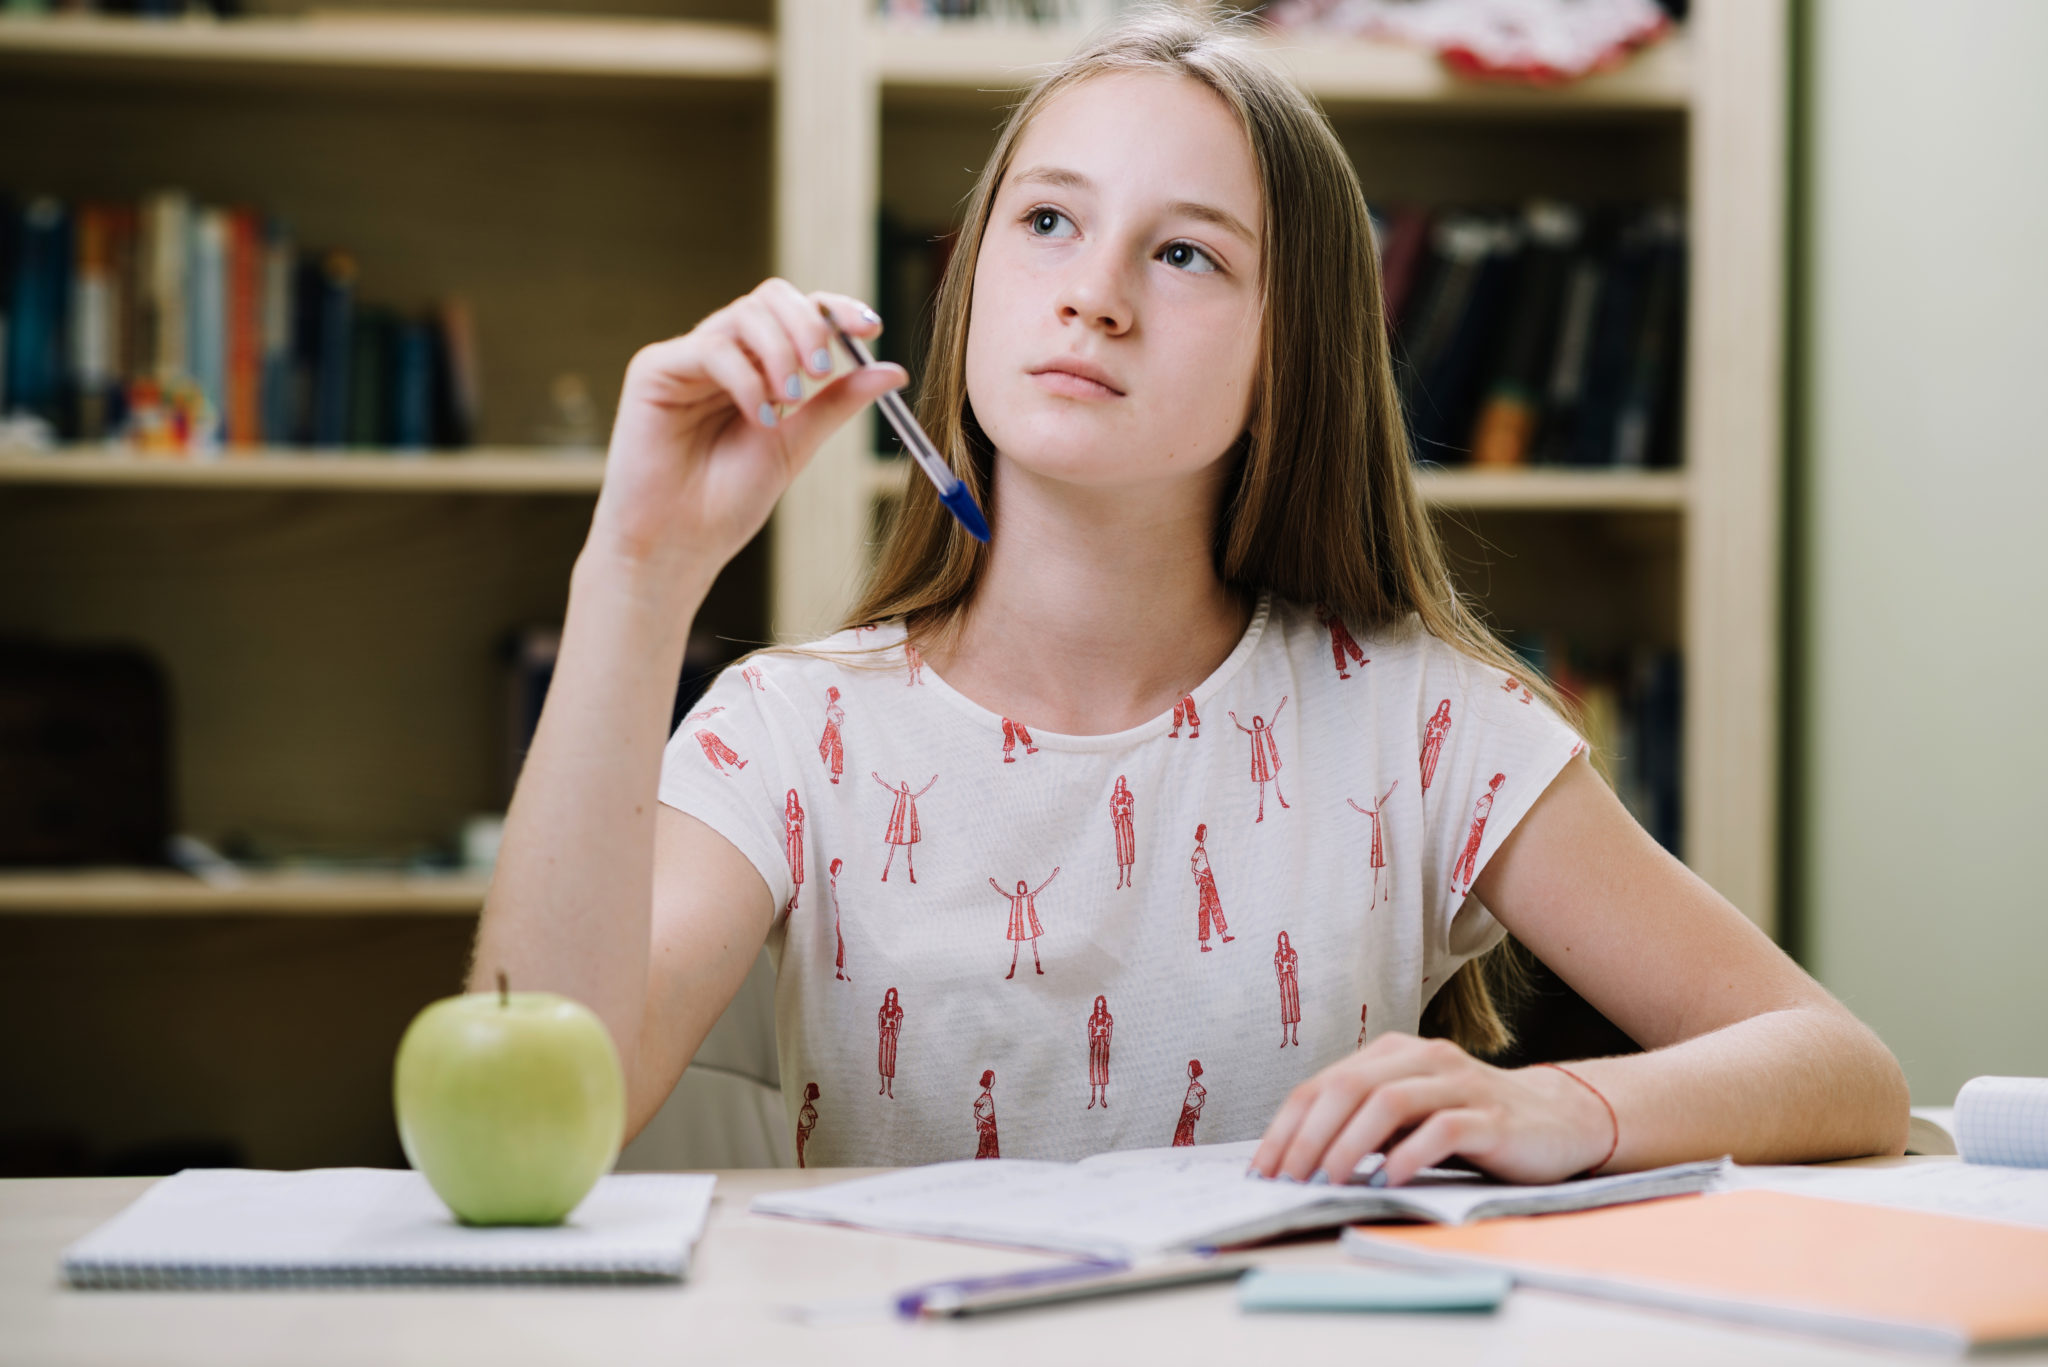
(746, 1267)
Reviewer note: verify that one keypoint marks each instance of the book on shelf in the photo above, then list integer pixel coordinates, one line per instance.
(176, 327)
(1550, 335)
(1631, 704)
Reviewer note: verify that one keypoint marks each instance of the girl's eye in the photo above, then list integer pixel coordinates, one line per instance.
(1178, 252)
(1044, 218)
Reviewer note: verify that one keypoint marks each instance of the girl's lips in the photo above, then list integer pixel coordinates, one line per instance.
(1069, 385)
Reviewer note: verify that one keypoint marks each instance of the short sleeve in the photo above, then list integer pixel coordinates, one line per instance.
(725, 765)
(1489, 747)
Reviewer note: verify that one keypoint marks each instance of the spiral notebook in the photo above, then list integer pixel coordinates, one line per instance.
(222, 1227)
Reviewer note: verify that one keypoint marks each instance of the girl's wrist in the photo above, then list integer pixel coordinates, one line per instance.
(666, 583)
(1595, 1124)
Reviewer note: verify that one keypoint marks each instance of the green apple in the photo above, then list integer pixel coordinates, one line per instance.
(511, 1103)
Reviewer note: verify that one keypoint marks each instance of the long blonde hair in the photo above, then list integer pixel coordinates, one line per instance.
(1320, 502)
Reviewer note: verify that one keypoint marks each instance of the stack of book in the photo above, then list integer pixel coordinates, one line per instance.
(1551, 335)
(176, 327)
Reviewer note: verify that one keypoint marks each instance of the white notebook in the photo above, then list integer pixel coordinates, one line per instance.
(207, 1227)
(1138, 1203)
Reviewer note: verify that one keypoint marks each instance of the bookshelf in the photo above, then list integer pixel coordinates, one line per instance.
(594, 180)
(805, 144)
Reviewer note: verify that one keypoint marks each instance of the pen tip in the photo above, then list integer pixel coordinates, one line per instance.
(963, 506)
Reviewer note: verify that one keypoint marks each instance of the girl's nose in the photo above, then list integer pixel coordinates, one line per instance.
(1094, 292)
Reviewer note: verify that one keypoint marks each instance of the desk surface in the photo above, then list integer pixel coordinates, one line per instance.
(748, 1266)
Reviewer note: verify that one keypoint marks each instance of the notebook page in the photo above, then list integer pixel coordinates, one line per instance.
(1443, 1195)
(1116, 1212)
(2016, 1196)
(228, 1226)
(2003, 1120)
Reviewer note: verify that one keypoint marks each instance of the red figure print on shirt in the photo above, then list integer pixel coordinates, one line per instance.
(831, 749)
(806, 1120)
(1514, 683)
(985, 1118)
(889, 1022)
(1100, 1023)
(1120, 803)
(839, 960)
(1361, 1025)
(1209, 909)
(1578, 748)
(1341, 642)
(1190, 1107)
(752, 674)
(719, 753)
(913, 661)
(793, 846)
(705, 712)
(1023, 919)
(1433, 740)
(1468, 862)
(1265, 755)
(1184, 713)
(1014, 731)
(902, 830)
(1379, 848)
(1287, 965)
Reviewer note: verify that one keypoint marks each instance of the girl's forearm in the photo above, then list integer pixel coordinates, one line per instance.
(1800, 1084)
(570, 905)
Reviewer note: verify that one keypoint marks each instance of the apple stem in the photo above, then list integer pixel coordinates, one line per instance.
(504, 992)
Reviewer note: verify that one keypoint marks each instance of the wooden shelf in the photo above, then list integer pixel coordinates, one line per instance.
(1555, 490)
(1534, 490)
(968, 57)
(501, 470)
(132, 892)
(381, 40)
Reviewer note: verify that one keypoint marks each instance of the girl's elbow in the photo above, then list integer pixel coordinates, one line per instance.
(1893, 1107)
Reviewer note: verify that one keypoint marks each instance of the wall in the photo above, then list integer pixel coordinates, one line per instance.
(1921, 723)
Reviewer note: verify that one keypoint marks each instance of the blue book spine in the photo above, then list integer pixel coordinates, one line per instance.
(36, 332)
(279, 312)
(206, 314)
(412, 387)
(335, 343)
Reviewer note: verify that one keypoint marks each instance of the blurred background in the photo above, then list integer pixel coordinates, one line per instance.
(1716, 324)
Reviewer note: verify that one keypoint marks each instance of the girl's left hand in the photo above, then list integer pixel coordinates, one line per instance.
(1526, 1125)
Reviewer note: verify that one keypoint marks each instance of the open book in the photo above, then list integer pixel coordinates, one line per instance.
(1138, 1203)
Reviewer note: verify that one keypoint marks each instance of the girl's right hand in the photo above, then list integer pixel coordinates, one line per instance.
(701, 450)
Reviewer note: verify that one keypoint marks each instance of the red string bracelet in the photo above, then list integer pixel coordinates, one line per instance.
(1612, 1119)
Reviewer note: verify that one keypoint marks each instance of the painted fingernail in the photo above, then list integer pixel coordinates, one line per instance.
(869, 315)
(1378, 1179)
(793, 386)
(767, 415)
(821, 360)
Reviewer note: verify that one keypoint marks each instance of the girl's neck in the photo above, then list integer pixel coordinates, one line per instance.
(1099, 607)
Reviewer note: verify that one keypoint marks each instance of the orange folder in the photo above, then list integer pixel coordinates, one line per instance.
(1904, 1278)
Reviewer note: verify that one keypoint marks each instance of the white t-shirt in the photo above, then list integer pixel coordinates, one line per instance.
(1091, 915)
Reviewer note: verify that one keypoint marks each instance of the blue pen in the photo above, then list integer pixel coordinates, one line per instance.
(952, 489)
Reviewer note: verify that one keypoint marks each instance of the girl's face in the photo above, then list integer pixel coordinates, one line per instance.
(1125, 239)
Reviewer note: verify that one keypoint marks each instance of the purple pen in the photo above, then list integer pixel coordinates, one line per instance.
(952, 489)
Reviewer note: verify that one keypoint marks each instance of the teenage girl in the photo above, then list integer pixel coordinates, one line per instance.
(1159, 362)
